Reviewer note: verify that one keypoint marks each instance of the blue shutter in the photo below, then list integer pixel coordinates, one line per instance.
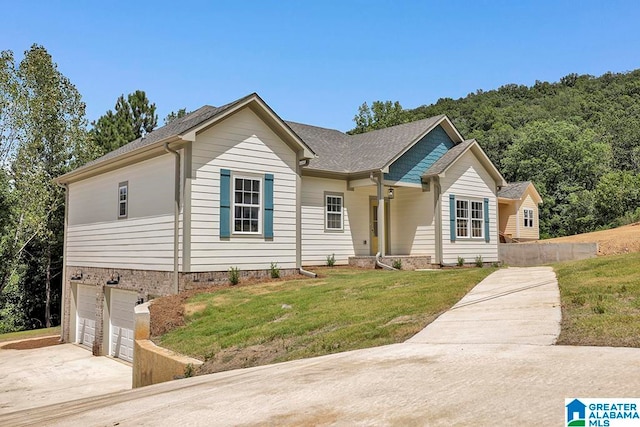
(487, 237)
(452, 217)
(225, 203)
(268, 206)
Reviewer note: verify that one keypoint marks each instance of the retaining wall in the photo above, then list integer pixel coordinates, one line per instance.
(153, 364)
(532, 254)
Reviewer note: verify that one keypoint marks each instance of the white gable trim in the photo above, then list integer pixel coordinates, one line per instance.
(484, 160)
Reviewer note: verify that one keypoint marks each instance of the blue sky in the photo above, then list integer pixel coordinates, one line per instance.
(316, 61)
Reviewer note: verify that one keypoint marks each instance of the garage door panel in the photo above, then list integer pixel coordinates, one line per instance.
(86, 316)
(122, 324)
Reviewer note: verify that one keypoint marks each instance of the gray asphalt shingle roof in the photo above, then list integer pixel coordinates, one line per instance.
(514, 190)
(176, 127)
(339, 152)
(336, 151)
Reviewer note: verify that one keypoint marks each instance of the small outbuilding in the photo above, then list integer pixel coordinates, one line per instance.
(519, 212)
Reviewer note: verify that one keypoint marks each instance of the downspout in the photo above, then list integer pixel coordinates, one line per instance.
(63, 297)
(381, 224)
(176, 218)
(299, 219)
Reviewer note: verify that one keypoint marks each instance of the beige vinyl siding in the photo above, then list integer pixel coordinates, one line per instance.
(467, 179)
(509, 218)
(245, 145)
(412, 222)
(528, 232)
(143, 240)
(317, 242)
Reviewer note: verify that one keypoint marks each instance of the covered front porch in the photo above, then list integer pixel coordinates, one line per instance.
(401, 223)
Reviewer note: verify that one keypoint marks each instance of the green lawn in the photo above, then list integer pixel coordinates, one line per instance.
(344, 310)
(600, 301)
(35, 333)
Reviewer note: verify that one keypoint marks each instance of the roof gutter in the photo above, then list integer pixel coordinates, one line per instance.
(176, 217)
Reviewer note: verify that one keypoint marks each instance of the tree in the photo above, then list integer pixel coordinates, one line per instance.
(379, 116)
(134, 116)
(175, 115)
(49, 130)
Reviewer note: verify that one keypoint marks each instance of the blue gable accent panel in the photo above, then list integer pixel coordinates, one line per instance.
(412, 164)
(225, 203)
(268, 206)
(452, 217)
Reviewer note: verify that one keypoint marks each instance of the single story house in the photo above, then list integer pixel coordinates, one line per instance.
(237, 186)
(518, 210)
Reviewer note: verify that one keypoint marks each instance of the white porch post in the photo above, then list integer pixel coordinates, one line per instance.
(381, 224)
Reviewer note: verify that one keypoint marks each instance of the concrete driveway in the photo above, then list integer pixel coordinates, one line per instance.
(49, 375)
(488, 361)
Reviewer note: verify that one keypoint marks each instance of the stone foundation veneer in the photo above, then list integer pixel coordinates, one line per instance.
(408, 262)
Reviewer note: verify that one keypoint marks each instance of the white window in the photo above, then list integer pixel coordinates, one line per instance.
(123, 199)
(246, 205)
(333, 212)
(469, 219)
(528, 217)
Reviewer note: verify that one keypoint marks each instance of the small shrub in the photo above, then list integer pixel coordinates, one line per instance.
(274, 270)
(598, 309)
(495, 264)
(331, 260)
(234, 275)
(479, 262)
(460, 261)
(189, 371)
(397, 264)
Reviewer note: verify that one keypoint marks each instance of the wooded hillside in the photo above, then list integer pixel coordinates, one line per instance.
(578, 140)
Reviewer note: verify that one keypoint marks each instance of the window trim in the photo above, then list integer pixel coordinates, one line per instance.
(526, 217)
(327, 229)
(260, 206)
(469, 218)
(125, 185)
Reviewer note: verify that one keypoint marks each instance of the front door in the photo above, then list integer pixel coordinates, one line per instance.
(373, 225)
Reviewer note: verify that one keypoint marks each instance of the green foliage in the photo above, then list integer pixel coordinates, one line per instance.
(460, 262)
(331, 260)
(478, 261)
(397, 264)
(566, 137)
(234, 275)
(189, 370)
(175, 115)
(42, 136)
(379, 116)
(134, 117)
(274, 270)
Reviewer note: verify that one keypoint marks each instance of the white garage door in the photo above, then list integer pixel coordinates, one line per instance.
(121, 324)
(86, 315)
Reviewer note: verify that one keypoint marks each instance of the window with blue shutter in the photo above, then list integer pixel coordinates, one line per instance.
(452, 217)
(487, 236)
(225, 203)
(268, 206)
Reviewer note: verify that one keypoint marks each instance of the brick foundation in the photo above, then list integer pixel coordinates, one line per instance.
(408, 262)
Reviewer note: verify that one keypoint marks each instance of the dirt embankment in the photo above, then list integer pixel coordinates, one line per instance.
(621, 240)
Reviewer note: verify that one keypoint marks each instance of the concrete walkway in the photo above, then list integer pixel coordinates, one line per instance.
(512, 306)
(513, 378)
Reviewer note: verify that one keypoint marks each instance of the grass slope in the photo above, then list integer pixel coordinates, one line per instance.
(345, 309)
(34, 333)
(600, 301)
